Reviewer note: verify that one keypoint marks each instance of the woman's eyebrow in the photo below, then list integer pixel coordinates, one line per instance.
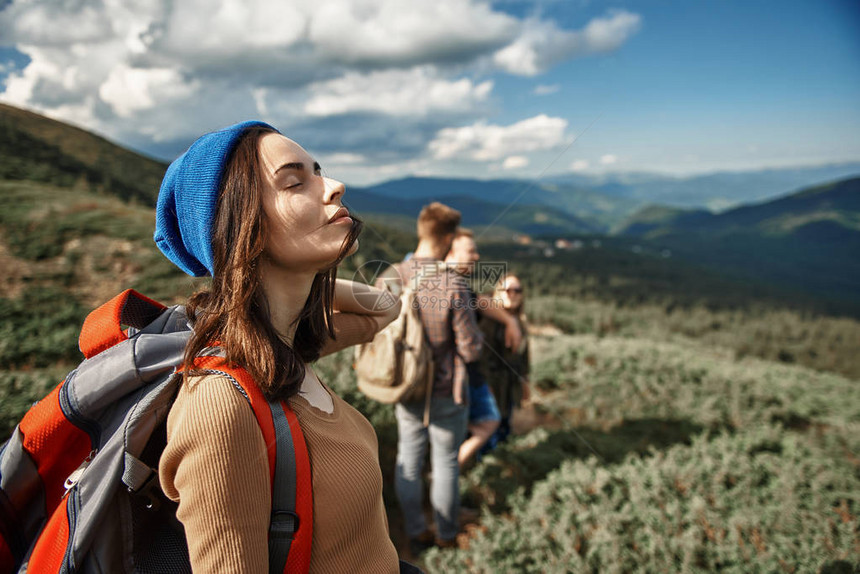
(299, 166)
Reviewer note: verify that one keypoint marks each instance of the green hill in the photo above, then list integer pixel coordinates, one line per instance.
(653, 217)
(807, 241)
(477, 213)
(592, 210)
(836, 203)
(36, 148)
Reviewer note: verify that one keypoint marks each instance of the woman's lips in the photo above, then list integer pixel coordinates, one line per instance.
(341, 216)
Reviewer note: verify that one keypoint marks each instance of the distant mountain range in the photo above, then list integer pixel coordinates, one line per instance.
(834, 206)
(809, 239)
(806, 240)
(602, 204)
(528, 207)
(714, 192)
(477, 212)
(40, 149)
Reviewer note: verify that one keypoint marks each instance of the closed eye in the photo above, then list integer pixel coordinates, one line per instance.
(299, 168)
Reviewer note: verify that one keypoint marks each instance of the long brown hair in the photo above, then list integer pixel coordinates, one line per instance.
(233, 312)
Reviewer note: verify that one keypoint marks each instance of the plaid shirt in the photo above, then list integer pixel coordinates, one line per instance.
(449, 323)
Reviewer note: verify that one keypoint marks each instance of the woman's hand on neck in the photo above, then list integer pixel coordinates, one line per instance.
(286, 292)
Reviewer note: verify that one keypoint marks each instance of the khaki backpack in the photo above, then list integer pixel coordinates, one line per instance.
(397, 365)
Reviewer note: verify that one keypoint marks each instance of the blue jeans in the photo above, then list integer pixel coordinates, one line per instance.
(446, 432)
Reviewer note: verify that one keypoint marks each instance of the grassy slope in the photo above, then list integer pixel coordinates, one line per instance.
(780, 335)
(670, 457)
(37, 148)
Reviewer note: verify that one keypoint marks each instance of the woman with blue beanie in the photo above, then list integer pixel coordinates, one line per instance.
(250, 208)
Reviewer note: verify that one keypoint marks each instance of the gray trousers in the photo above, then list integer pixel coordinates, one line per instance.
(446, 432)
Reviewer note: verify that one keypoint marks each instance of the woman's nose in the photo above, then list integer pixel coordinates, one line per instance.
(333, 190)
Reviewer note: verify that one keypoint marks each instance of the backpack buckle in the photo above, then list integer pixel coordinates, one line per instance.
(150, 492)
(76, 475)
(285, 524)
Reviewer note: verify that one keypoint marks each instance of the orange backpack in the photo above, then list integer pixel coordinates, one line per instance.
(79, 485)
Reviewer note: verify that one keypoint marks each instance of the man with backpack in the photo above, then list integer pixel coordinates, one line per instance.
(442, 297)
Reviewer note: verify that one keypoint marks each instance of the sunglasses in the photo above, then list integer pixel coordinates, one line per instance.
(517, 290)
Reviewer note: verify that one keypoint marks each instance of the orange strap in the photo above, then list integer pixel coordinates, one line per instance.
(103, 327)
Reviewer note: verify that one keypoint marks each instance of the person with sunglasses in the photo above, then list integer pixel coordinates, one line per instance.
(506, 368)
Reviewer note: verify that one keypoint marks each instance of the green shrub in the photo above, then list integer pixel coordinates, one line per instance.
(764, 500)
(782, 335)
(603, 381)
(40, 328)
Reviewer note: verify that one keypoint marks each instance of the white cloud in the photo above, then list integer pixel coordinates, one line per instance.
(343, 159)
(418, 91)
(579, 165)
(385, 32)
(128, 90)
(386, 76)
(229, 26)
(608, 159)
(142, 60)
(515, 162)
(542, 44)
(486, 142)
(545, 90)
(608, 34)
(54, 23)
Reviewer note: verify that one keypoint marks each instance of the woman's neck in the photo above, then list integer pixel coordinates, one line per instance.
(286, 293)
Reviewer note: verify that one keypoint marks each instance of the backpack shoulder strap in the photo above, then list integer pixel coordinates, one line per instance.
(291, 525)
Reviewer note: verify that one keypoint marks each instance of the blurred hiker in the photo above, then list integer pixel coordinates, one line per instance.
(251, 208)
(455, 339)
(484, 416)
(506, 368)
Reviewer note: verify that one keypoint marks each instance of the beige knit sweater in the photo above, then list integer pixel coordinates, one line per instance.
(215, 467)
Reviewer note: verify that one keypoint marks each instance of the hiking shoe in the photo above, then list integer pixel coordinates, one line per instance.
(421, 542)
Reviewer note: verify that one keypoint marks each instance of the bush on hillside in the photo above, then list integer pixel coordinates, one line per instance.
(764, 500)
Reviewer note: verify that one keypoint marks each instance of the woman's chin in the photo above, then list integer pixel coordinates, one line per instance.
(353, 249)
(334, 262)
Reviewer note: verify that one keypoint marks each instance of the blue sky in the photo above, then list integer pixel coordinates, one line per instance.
(379, 89)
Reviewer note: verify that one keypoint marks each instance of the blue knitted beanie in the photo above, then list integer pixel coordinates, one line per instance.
(188, 198)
